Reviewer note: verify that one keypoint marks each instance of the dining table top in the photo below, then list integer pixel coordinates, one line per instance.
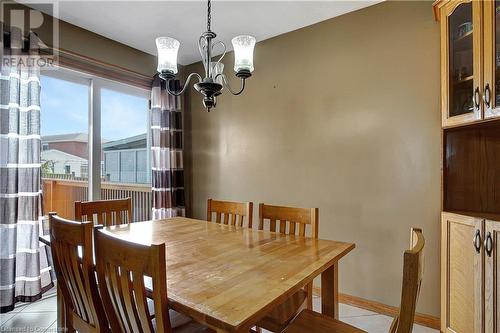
(229, 277)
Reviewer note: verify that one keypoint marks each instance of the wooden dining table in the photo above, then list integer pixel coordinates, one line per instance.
(228, 277)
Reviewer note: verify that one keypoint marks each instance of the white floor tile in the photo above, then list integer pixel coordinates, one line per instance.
(46, 304)
(36, 322)
(4, 317)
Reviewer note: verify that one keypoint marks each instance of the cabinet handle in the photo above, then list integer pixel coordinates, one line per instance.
(487, 95)
(476, 97)
(477, 241)
(488, 244)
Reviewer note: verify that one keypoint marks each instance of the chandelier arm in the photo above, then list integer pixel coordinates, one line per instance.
(202, 49)
(178, 93)
(226, 84)
(223, 53)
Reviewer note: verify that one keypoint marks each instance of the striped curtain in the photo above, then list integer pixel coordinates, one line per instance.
(24, 269)
(166, 152)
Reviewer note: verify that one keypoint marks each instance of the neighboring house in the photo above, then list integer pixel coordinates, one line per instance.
(63, 163)
(126, 160)
(75, 144)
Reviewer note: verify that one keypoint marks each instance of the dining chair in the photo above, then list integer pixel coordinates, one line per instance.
(121, 270)
(109, 212)
(413, 267)
(71, 245)
(289, 221)
(228, 212)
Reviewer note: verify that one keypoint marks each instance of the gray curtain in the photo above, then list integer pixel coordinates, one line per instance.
(24, 269)
(166, 152)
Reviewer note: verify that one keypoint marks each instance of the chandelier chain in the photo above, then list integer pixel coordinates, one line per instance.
(209, 15)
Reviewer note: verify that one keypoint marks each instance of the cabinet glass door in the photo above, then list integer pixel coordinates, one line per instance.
(492, 58)
(462, 26)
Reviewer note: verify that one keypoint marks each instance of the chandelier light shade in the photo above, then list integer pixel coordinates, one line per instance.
(243, 53)
(167, 54)
(211, 85)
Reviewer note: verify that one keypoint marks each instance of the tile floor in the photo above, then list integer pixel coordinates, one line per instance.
(40, 316)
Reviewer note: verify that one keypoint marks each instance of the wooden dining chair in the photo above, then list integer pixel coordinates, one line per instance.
(228, 212)
(71, 245)
(121, 270)
(413, 267)
(108, 212)
(289, 221)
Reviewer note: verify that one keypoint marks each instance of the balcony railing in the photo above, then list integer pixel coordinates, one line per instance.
(60, 196)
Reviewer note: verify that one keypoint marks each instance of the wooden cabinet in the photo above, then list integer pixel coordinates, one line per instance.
(492, 297)
(470, 60)
(469, 274)
(461, 274)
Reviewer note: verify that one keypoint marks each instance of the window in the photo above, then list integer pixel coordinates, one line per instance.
(78, 109)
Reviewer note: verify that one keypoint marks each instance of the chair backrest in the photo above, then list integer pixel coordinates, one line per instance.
(121, 268)
(289, 220)
(72, 253)
(413, 270)
(228, 212)
(109, 212)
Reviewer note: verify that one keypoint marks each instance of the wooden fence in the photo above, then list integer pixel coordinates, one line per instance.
(60, 196)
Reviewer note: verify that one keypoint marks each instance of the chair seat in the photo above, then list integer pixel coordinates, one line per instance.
(312, 322)
(281, 315)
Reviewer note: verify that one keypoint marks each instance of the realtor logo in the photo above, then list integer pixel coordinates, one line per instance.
(29, 33)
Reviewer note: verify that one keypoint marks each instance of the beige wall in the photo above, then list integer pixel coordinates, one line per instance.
(342, 115)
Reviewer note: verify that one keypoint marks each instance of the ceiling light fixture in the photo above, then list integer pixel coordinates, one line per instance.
(215, 79)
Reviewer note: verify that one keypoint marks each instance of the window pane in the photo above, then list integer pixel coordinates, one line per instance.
(64, 129)
(125, 148)
(124, 128)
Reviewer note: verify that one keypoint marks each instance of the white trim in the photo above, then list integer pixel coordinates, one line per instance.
(20, 194)
(19, 136)
(8, 226)
(8, 286)
(28, 278)
(21, 165)
(21, 109)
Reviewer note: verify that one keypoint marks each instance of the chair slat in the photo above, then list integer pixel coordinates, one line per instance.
(283, 226)
(142, 304)
(108, 212)
(272, 226)
(232, 213)
(129, 301)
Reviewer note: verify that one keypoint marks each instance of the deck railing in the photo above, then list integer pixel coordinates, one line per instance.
(59, 195)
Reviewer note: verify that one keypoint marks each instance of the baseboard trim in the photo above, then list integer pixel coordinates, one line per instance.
(388, 310)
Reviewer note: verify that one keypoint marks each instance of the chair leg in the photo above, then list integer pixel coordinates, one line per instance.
(309, 289)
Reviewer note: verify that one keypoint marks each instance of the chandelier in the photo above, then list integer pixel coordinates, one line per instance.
(212, 84)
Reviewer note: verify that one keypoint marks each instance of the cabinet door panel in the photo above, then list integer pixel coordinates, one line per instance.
(492, 279)
(461, 33)
(461, 274)
(491, 59)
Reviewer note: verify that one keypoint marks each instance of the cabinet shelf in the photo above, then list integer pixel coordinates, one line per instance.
(463, 43)
(464, 80)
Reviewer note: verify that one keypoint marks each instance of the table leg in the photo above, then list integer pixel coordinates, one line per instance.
(330, 292)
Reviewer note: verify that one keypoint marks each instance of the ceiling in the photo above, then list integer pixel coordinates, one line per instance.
(138, 23)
